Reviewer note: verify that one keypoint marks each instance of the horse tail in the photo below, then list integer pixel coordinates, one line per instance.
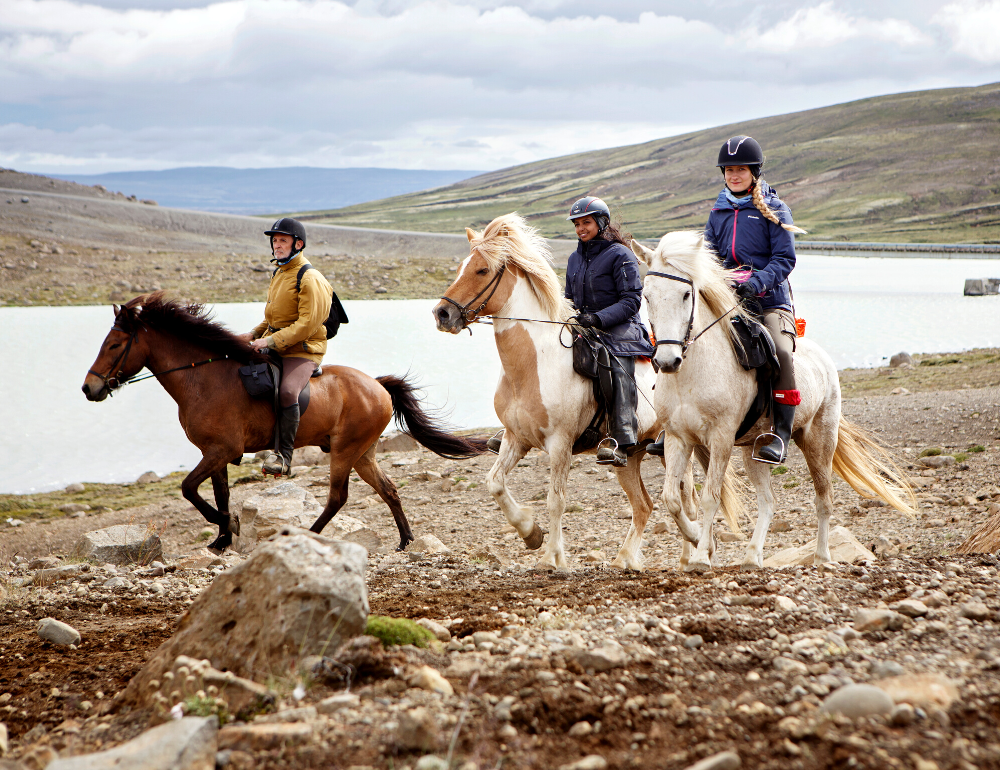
(422, 426)
(870, 469)
(731, 500)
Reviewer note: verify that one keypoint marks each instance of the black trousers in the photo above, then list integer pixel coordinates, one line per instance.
(623, 423)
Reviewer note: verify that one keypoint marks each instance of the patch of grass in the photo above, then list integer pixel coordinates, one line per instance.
(203, 536)
(976, 448)
(473, 484)
(200, 705)
(941, 361)
(792, 484)
(398, 631)
(574, 508)
(931, 451)
(961, 457)
(779, 470)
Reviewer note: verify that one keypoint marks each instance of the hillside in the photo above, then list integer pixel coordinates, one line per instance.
(265, 190)
(913, 167)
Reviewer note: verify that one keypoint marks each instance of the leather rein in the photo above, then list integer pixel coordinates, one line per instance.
(113, 379)
(688, 340)
(463, 310)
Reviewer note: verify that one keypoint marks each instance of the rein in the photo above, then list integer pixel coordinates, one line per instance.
(688, 340)
(463, 310)
(112, 380)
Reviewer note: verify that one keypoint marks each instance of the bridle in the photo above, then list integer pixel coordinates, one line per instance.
(112, 380)
(688, 340)
(491, 287)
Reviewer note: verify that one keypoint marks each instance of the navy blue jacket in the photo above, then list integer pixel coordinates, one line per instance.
(744, 237)
(602, 278)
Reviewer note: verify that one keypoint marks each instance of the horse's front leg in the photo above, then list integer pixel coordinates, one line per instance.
(511, 452)
(711, 495)
(678, 498)
(760, 477)
(220, 486)
(213, 465)
(560, 458)
(630, 478)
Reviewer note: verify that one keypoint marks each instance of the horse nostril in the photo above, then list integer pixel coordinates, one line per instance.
(85, 389)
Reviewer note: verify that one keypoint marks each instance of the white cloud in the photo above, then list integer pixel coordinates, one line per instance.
(823, 26)
(974, 28)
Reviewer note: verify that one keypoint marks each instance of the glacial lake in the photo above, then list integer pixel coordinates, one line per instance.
(861, 310)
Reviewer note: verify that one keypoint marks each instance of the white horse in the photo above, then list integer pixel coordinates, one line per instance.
(703, 394)
(541, 401)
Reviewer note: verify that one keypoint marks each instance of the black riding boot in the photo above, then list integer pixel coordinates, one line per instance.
(623, 424)
(280, 463)
(777, 450)
(656, 448)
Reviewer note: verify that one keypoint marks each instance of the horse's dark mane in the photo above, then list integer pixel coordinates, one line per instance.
(192, 322)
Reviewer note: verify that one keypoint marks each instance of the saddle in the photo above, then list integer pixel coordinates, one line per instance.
(592, 360)
(756, 351)
(263, 380)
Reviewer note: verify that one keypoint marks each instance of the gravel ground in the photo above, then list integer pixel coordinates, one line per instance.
(693, 665)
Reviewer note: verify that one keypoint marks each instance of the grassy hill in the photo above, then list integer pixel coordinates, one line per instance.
(913, 167)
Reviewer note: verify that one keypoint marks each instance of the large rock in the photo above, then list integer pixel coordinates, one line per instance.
(285, 504)
(603, 658)
(921, 689)
(428, 544)
(844, 547)
(901, 359)
(182, 744)
(243, 697)
(296, 596)
(310, 455)
(397, 442)
(876, 620)
(857, 700)
(57, 632)
(120, 545)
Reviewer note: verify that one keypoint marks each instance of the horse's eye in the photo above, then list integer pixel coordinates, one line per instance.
(116, 345)
(687, 294)
(483, 271)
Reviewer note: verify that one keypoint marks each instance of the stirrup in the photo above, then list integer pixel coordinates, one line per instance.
(609, 455)
(268, 466)
(493, 444)
(770, 437)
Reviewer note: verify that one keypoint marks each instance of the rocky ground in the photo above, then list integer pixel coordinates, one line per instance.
(655, 669)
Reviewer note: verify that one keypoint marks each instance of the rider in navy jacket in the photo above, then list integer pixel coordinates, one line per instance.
(602, 282)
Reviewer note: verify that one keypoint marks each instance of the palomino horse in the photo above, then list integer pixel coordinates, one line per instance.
(195, 359)
(541, 401)
(703, 394)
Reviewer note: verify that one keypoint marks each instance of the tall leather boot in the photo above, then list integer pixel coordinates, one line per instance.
(656, 448)
(624, 424)
(785, 402)
(280, 463)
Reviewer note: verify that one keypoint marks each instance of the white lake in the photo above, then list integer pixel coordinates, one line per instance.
(860, 310)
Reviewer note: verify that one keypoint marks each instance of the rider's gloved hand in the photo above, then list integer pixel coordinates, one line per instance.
(587, 320)
(745, 291)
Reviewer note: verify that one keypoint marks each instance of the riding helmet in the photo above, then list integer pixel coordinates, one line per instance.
(288, 226)
(742, 151)
(591, 207)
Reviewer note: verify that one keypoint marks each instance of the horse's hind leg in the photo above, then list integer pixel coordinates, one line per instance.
(214, 465)
(220, 486)
(373, 475)
(818, 450)
(630, 478)
(511, 451)
(760, 476)
(340, 474)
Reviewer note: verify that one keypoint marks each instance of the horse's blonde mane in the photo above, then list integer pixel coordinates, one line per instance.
(686, 252)
(510, 240)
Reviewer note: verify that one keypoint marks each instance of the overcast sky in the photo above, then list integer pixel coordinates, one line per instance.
(120, 84)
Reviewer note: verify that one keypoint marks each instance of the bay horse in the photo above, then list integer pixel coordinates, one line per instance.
(703, 394)
(196, 359)
(540, 400)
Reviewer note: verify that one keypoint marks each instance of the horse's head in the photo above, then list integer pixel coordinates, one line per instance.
(121, 356)
(671, 293)
(484, 282)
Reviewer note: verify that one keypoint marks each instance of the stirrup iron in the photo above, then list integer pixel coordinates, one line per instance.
(770, 436)
(613, 450)
(493, 444)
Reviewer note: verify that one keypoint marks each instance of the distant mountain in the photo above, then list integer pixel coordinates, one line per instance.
(913, 167)
(267, 190)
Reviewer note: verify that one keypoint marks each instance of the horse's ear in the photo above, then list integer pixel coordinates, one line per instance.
(470, 233)
(117, 309)
(644, 254)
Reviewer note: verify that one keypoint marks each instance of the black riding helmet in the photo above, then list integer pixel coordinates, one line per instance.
(591, 207)
(288, 226)
(742, 151)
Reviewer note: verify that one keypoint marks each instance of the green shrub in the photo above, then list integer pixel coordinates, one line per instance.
(940, 361)
(398, 631)
(206, 706)
(780, 470)
(977, 448)
(791, 484)
(931, 451)
(961, 457)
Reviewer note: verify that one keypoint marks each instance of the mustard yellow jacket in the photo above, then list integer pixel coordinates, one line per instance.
(294, 321)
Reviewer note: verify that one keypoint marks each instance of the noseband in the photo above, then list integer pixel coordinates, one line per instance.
(491, 287)
(686, 342)
(112, 379)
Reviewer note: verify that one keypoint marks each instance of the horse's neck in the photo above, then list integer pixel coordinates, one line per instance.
(169, 352)
(713, 350)
(523, 303)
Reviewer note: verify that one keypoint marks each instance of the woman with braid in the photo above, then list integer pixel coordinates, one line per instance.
(751, 230)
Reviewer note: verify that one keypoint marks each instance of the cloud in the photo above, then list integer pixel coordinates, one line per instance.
(973, 27)
(438, 83)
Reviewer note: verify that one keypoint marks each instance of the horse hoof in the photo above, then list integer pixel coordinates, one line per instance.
(535, 538)
(749, 566)
(699, 567)
(220, 544)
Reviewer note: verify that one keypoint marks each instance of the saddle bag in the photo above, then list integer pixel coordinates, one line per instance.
(756, 348)
(585, 357)
(257, 379)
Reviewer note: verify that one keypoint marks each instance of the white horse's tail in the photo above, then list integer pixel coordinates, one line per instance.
(870, 470)
(731, 500)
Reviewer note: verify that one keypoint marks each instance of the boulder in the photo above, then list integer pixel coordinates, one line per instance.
(397, 442)
(921, 690)
(428, 544)
(912, 608)
(296, 595)
(285, 504)
(120, 545)
(76, 486)
(876, 620)
(844, 547)
(901, 359)
(442, 633)
(858, 700)
(609, 655)
(182, 744)
(427, 678)
(367, 538)
(310, 455)
(148, 478)
(417, 730)
(936, 461)
(57, 632)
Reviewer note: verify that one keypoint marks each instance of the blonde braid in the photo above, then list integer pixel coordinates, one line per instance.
(763, 208)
